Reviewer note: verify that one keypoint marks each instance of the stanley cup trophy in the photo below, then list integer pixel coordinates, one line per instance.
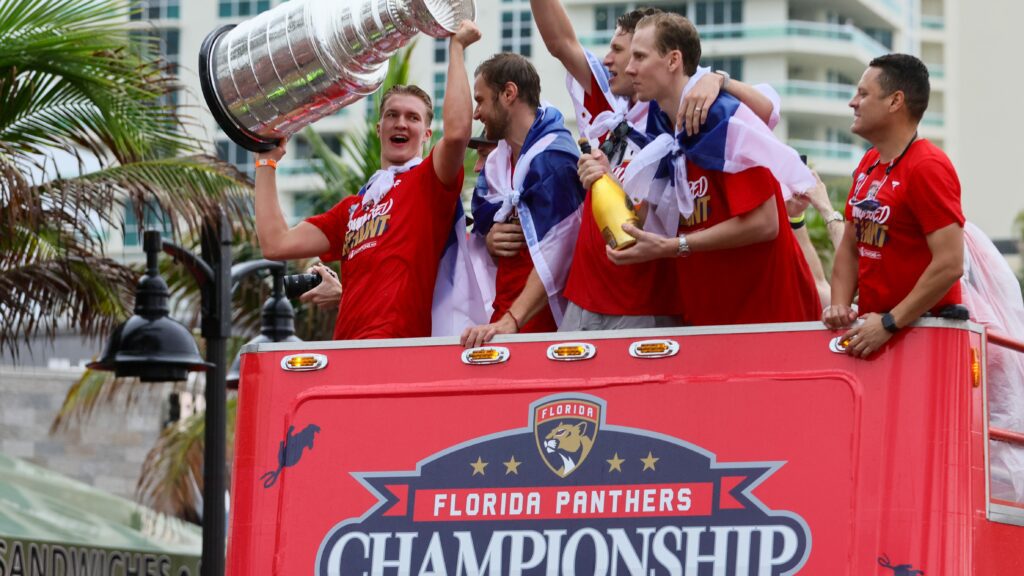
(290, 66)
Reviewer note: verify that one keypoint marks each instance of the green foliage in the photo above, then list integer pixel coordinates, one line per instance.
(84, 132)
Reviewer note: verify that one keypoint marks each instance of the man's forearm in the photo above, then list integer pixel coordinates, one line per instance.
(759, 225)
(760, 104)
(531, 300)
(941, 274)
(560, 39)
(271, 226)
(844, 269)
(457, 116)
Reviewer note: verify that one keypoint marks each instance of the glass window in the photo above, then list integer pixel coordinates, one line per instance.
(607, 15)
(719, 12)
(231, 8)
(157, 10)
(516, 32)
(232, 153)
(153, 218)
(440, 83)
(440, 50)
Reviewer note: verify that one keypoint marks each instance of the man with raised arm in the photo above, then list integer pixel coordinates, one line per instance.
(529, 178)
(903, 247)
(390, 237)
(737, 261)
(602, 295)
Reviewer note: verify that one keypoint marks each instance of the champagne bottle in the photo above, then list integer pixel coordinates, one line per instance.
(611, 208)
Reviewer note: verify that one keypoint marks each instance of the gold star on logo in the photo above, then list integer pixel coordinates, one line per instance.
(478, 466)
(649, 461)
(512, 467)
(615, 463)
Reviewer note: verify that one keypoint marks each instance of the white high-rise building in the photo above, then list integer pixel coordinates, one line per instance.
(812, 51)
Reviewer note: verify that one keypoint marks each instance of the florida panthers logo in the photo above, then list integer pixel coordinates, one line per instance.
(565, 431)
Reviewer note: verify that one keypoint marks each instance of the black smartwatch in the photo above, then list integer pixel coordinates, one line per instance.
(889, 323)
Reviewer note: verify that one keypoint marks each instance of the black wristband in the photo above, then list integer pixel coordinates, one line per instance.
(889, 323)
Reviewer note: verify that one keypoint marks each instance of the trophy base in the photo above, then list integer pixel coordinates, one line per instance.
(244, 138)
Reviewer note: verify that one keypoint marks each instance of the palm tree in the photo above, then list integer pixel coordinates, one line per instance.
(85, 131)
(172, 474)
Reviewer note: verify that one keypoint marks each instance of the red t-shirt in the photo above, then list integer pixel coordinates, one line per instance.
(757, 283)
(919, 196)
(389, 254)
(509, 281)
(595, 283)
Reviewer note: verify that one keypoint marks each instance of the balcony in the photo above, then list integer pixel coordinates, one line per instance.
(830, 150)
(817, 38)
(934, 119)
(933, 22)
(829, 158)
(825, 90)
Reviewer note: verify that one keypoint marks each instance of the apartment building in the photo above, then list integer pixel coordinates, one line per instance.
(811, 51)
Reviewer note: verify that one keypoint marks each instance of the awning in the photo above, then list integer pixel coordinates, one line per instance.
(52, 525)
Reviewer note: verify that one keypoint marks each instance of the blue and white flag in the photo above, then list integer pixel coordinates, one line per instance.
(545, 192)
(732, 140)
(459, 300)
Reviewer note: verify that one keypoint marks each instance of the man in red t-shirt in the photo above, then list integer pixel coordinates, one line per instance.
(601, 294)
(737, 260)
(903, 244)
(391, 236)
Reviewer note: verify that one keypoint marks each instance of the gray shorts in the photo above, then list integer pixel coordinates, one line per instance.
(577, 319)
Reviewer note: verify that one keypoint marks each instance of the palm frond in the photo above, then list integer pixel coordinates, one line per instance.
(172, 479)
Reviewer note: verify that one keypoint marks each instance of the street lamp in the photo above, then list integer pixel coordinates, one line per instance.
(277, 317)
(155, 348)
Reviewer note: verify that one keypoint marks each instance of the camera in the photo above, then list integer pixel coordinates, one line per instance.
(296, 285)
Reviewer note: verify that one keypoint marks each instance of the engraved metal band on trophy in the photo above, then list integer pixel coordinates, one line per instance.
(274, 74)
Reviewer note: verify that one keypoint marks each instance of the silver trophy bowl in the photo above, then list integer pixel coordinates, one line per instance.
(270, 76)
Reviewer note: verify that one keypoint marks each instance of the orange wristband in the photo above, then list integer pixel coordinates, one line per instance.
(266, 162)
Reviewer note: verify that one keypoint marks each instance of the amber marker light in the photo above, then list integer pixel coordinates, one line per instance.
(653, 348)
(485, 355)
(304, 362)
(976, 367)
(571, 351)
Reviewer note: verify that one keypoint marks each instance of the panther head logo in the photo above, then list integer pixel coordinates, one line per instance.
(565, 431)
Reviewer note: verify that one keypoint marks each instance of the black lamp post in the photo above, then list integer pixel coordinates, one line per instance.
(277, 316)
(156, 348)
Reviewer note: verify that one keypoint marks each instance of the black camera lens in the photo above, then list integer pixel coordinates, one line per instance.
(296, 285)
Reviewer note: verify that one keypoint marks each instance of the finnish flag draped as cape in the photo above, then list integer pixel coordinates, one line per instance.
(545, 191)
(732, 140)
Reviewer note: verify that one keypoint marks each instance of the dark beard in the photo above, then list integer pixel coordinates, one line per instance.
(498, 126)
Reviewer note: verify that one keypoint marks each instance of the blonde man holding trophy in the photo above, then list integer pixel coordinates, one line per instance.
(389, 238)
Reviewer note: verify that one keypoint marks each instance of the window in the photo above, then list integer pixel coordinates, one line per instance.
(607, 15)
(232, 8)
(516, 30)
(440, 82)
(157, 10)
(152, 218)
(883, 37)
(718, 12)
(162, 43)
(734, 66)
(440, 50)
(232, 153)
(836, 77)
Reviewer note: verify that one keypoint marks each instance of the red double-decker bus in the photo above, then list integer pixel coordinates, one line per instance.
(748, 450)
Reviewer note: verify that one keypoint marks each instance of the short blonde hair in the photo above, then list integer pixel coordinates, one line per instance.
(675, 32)
(409, 90)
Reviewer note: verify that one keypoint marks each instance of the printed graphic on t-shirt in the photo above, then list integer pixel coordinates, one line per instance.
(701, 204)
(870, 216)
(366, 227)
